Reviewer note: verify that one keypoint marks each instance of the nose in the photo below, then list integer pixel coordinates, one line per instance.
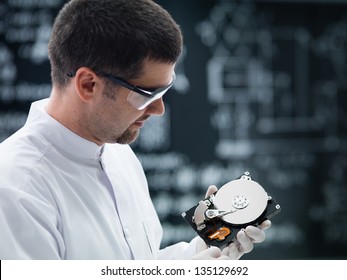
(157, 107)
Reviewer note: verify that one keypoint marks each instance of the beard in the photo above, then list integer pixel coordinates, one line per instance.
(128, 136)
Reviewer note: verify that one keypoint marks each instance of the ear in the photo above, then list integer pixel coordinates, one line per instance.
(87, 84)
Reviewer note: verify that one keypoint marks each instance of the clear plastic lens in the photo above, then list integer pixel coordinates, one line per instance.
(140, 102)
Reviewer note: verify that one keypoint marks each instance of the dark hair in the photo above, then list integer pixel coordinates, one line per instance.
(114, 36)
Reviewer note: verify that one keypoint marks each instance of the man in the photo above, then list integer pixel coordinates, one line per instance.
(70, 186)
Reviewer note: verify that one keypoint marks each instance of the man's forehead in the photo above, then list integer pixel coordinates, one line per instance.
(156, 74)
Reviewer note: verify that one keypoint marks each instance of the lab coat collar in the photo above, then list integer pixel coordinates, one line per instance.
(60, 136)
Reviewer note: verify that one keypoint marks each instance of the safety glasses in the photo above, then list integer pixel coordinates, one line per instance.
(140, 97)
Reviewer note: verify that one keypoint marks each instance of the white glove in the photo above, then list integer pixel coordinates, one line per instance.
(244, 242)
(245, 239)
(212, 253)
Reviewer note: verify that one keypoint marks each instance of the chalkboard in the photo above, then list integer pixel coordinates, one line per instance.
(261, 86)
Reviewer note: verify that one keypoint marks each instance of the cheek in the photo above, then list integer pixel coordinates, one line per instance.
(118, 119)
(117, 113)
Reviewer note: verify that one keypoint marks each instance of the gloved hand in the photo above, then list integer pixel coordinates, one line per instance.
(243, 243)
(245, 240)
(212, 253)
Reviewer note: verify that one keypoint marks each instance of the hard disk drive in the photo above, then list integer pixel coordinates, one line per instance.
(237, 204)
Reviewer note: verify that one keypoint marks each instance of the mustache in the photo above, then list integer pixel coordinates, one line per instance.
(143, 118)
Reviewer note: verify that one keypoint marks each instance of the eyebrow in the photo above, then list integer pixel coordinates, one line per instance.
(158, 87)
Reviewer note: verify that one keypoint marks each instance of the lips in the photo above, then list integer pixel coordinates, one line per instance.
(141, 122)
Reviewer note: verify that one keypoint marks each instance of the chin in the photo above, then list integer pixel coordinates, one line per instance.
(128, 137)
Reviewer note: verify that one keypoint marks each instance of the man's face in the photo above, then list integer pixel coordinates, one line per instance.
(114, 120)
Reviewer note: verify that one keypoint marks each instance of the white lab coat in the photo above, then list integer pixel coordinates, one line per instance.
(63, 197)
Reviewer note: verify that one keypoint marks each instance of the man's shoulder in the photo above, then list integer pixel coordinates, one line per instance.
(23, 143)
(20, 153)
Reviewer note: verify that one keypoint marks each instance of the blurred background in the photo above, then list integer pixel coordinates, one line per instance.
(261, 86)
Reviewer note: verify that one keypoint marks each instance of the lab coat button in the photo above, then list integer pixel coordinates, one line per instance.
(126, 233)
